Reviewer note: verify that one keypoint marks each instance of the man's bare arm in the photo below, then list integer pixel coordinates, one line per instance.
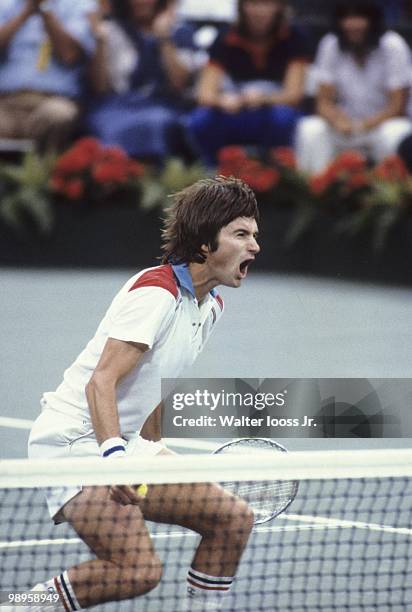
(11, 27)
(117, 360)
(66, 48)
(152, 429)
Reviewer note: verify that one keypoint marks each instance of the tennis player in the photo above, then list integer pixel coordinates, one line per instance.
(155, 327)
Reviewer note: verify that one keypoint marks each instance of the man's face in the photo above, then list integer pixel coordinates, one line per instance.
(237, 248)
(260, 15)
(355, 29)
(143, 10)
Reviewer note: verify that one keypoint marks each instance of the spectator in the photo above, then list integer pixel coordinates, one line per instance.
(142, 65)
(250, 90)
(43, 48)
(364, 74)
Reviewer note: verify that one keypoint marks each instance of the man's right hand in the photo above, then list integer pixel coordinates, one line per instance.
(125, 495)
(33, 6)
(230, 103)
(343, 125)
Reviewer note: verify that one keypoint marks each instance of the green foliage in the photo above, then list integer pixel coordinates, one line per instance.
(157, 187)
(25, 192)
(356, 197)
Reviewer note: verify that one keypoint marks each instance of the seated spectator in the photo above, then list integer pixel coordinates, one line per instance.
(364, 78)
(142, 65)
(43, 49)
(250, 91)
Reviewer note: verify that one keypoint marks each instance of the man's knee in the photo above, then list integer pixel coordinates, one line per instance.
(243, 515)
(138, 575)
(311, 128)
(389, 135)
(151, 573)
(10, 126)
(57, 111)
(230, 516)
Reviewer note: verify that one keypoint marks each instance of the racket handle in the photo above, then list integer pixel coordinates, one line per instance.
(141, 490)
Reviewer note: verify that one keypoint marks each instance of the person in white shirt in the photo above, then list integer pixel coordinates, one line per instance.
(364, 77)
(109, 404)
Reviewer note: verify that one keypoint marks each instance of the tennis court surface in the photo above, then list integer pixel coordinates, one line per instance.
(343, 545)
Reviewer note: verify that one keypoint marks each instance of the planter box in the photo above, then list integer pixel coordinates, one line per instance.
(127, 237)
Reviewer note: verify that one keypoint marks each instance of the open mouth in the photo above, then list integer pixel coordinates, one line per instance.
(243, 268)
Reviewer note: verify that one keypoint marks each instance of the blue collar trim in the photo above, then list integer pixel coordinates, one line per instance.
(182, 273)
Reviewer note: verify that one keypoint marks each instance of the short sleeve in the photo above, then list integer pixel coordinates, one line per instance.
(216, 51)
(299, 45)
(8, 10)
(327, 59)
(76, 23)
(398, 64)
(142, 315)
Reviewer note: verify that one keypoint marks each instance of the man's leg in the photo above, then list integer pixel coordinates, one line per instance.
(314, 144)
(126, 564)
(11, 117)
(223, 521)
(52, 122)
(385, 139)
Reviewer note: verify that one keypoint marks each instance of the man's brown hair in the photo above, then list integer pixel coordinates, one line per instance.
(199, 212)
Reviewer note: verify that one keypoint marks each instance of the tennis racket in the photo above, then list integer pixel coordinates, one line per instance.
(267, 498)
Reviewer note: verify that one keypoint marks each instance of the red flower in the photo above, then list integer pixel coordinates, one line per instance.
(74, 189)
(79, 157)
(72, 161)
(135, 169)
(245, 167)
(349, 162)
(88, 144)
(284, 156)
(57, 183)
(262, 180)
(113, 154)
(232, 154)
(358, 180)
(319, 183)
(267, 179)
(109, 172)
(392, 168)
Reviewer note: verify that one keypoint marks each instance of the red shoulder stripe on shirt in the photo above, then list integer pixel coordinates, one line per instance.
(219, 300)
(158, 277)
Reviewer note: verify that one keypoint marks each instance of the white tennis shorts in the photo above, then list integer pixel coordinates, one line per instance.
(55, 435)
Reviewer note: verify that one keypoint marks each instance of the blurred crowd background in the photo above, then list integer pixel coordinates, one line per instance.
(185, 78)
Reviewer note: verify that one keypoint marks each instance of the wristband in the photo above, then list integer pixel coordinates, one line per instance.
(113, 447)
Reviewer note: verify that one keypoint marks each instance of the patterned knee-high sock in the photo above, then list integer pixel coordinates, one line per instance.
(207, 592)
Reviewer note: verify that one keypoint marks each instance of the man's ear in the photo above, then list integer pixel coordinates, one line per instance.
(205, 249)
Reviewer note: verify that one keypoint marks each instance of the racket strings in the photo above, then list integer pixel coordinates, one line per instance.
(267, 498)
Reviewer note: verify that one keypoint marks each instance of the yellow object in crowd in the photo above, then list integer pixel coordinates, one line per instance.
(44, 56)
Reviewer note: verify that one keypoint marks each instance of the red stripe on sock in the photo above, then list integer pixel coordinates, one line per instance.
(60, 592)
(206, 588)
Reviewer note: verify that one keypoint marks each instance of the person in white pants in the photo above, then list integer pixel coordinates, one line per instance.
(363, 75)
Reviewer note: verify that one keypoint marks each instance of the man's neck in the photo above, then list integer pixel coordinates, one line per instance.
(202, 281)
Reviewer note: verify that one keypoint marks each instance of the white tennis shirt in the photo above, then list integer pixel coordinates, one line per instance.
(156, 307)
(362, 90)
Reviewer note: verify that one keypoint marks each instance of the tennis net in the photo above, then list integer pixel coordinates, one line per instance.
(344, 543)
